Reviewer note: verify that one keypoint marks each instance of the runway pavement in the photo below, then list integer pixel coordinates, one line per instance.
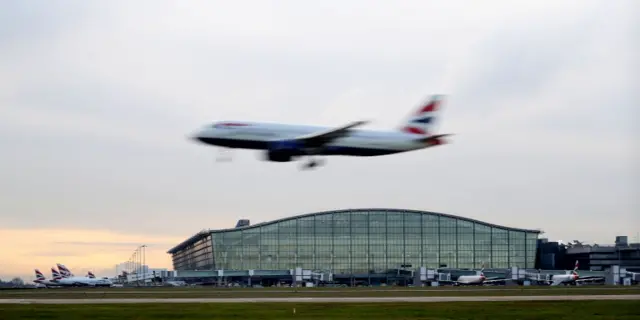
(323, 300)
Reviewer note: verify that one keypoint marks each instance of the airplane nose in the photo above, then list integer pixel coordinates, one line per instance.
(195, 137)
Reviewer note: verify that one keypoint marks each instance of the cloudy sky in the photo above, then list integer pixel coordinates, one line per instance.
(97, 99)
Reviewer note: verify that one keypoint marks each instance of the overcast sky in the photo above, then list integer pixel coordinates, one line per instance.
(97, 99)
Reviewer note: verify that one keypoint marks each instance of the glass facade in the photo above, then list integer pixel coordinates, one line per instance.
(359, 242)
(197, 255)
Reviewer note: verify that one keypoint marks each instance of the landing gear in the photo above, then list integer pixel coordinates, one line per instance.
(224, 155)
(312, 164)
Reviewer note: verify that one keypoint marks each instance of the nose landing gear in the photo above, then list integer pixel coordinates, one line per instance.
(224, 155)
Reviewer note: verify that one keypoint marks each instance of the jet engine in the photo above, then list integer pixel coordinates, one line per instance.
(278, 156)
(283, 151)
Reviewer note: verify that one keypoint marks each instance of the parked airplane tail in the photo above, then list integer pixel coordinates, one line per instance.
(421, 121)
(64, 271)
(39, 275)
(482, 270)
(55, 274)
(90, 275)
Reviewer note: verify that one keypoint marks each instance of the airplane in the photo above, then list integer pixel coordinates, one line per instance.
(571, 278)
(40, 279)
(287, 142)
(477, 279)
(74, 281)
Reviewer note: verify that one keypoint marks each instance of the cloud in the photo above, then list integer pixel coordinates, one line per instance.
(54, 254)
(104, 243)
(98, 100)
(28, 249)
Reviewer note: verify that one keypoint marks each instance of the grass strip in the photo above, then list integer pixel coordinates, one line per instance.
(213, 293)
(619, 310)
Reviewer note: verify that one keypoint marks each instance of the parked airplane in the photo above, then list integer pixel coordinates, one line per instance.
(571, 278)
(74, 281)
(478, 279)
(40, 279)
(286, 142)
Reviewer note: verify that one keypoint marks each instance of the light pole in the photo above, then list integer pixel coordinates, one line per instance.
(135, 265)
(144, 258)
(138, 263)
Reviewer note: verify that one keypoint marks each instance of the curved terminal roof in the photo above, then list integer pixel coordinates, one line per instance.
(204, 233)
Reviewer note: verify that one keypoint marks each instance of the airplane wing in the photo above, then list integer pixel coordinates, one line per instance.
(556, 282)
(589, 279)
(319, 139)
(492, 280)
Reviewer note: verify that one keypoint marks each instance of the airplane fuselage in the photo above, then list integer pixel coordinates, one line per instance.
(468, 280)
(47, 283)
(564, 278)
(269, 136)
(82, 281)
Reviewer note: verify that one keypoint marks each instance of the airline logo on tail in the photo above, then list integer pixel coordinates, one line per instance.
(575, 271)
(39, 276)
(64, 272)
(422, 120)
(55, 274)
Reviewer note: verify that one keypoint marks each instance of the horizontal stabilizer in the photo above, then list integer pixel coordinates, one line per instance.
(434, 140)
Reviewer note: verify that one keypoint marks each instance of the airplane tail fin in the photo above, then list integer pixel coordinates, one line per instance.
(90, 275)
(64, 272)
(55, 274)
(575, 268)
(39, 275)
(421, 121)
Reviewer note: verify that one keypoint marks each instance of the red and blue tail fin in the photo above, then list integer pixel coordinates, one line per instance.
(55, 274)
(422, 120)
(575, 268)
(64, 271)
(39, 276)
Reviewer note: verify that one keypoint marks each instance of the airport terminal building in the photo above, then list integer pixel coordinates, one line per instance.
(358, 242)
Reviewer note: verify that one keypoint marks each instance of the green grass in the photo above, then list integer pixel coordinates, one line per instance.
(72, 293)
(619, 310)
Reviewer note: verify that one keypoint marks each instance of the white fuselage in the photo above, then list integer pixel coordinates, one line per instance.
(564, 278)
(82, 281)
(472, 279)
(252, 135)
(47, 283)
